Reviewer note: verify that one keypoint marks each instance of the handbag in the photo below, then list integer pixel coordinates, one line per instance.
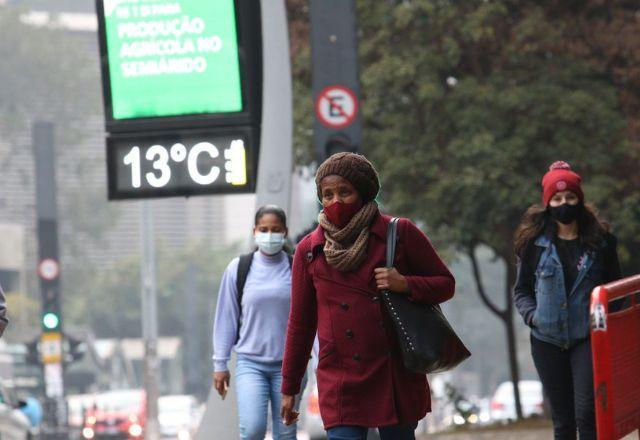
(427, 340)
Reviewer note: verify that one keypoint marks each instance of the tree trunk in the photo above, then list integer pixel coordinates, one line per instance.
(506, 316)
(510, 279)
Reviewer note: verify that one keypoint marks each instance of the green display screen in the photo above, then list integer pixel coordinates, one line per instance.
(172, 57)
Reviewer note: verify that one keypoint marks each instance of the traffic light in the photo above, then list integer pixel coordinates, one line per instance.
(32, 356)
(51, 318)
(337, 143)
(50, 321)
(74, 349)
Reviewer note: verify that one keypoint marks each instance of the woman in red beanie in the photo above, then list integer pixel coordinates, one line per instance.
(564, 251)
(338, 274)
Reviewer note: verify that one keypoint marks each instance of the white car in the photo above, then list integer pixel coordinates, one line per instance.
(178, 416)
(531, 399)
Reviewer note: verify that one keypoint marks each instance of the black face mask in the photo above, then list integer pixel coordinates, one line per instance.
(565, 213)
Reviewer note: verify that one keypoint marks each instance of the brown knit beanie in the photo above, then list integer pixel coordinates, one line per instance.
(356, 169)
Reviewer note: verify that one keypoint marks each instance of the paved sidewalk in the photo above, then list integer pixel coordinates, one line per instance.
(502, 434)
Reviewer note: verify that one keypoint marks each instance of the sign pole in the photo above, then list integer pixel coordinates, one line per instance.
(336, 88)
(149, 320)
(276, 150)
(55, 414)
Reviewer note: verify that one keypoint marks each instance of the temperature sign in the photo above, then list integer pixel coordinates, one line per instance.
(179, 164)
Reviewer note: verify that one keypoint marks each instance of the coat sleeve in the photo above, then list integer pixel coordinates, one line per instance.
(3, 313)
(302, 325)
(430, 281)
(524, 294)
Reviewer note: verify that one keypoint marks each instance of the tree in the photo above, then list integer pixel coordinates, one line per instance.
(111, 305)
(465, 106)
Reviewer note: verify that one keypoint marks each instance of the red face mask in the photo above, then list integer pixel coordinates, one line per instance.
(341, 213)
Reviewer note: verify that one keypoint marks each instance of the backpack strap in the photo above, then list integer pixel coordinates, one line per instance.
(244, 266)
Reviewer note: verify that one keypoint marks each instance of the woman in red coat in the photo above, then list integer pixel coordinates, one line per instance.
(338, 274)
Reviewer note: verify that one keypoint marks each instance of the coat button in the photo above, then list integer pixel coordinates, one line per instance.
(381, 325)
(344, 306)
(375, 298)
(564, 305)
(349, 334)
(356, 357)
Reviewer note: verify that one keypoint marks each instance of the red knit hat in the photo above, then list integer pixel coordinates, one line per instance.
(560, 177)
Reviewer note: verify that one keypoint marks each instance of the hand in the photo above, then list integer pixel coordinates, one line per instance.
(221, 382)
(391, 279)
(288, 414)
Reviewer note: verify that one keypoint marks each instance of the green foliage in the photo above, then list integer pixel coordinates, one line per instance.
(111, 306)
(466, 105)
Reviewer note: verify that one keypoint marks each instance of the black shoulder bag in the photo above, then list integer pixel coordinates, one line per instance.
(427, 341)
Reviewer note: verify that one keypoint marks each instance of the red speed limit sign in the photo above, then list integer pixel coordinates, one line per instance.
(48, 269)
(336, 107)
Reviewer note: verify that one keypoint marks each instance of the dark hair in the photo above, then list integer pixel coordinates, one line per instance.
(271, 209)
(537, 221)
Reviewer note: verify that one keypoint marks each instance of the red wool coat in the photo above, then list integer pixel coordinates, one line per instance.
(361, 378)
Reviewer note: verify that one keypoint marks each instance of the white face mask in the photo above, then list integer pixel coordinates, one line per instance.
(269, 243)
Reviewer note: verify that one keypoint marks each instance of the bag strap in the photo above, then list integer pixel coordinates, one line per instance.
(392, 236)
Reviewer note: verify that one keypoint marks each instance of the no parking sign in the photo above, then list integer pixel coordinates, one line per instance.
(336, 107)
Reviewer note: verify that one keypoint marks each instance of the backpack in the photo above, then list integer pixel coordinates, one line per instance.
(244, 266)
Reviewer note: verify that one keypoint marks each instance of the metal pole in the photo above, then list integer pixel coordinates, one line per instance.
(276, 139)
(149, 321)
(335, 77)
(51, 342)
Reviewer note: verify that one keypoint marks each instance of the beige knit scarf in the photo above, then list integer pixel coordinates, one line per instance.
(345, 249)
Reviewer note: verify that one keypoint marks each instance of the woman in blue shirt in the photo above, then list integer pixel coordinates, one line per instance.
(253, 322)
(564, 251)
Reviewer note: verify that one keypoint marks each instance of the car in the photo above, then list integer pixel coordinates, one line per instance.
(178, 416)
(14, 424)
(77, 407)
(116, 415)
(531, 399)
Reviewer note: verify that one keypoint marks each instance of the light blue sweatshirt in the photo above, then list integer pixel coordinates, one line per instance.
(265, 311)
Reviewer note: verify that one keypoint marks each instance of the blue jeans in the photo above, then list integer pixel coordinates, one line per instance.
(257, 384)
(395, 432)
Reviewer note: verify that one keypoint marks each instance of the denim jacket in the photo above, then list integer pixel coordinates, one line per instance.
(561, 317)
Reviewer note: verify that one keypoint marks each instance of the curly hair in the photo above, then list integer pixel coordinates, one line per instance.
(537, 220)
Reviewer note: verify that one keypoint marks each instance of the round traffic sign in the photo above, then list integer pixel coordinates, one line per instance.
(336, 106)
(48, 269)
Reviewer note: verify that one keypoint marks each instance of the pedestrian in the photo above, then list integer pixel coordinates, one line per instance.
(338, 275)
(251, 317)
(3, 313)
(564, 251)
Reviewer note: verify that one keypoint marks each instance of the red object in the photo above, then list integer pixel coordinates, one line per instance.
(340, 213)
(615, 340)
(111, 417)
(313, 406)
(497, 405)
(560, 177)
(336, 106)
(361, 378)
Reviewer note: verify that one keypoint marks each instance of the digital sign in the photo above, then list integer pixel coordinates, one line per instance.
(161, 164)
(168, 58)
(182, 89)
